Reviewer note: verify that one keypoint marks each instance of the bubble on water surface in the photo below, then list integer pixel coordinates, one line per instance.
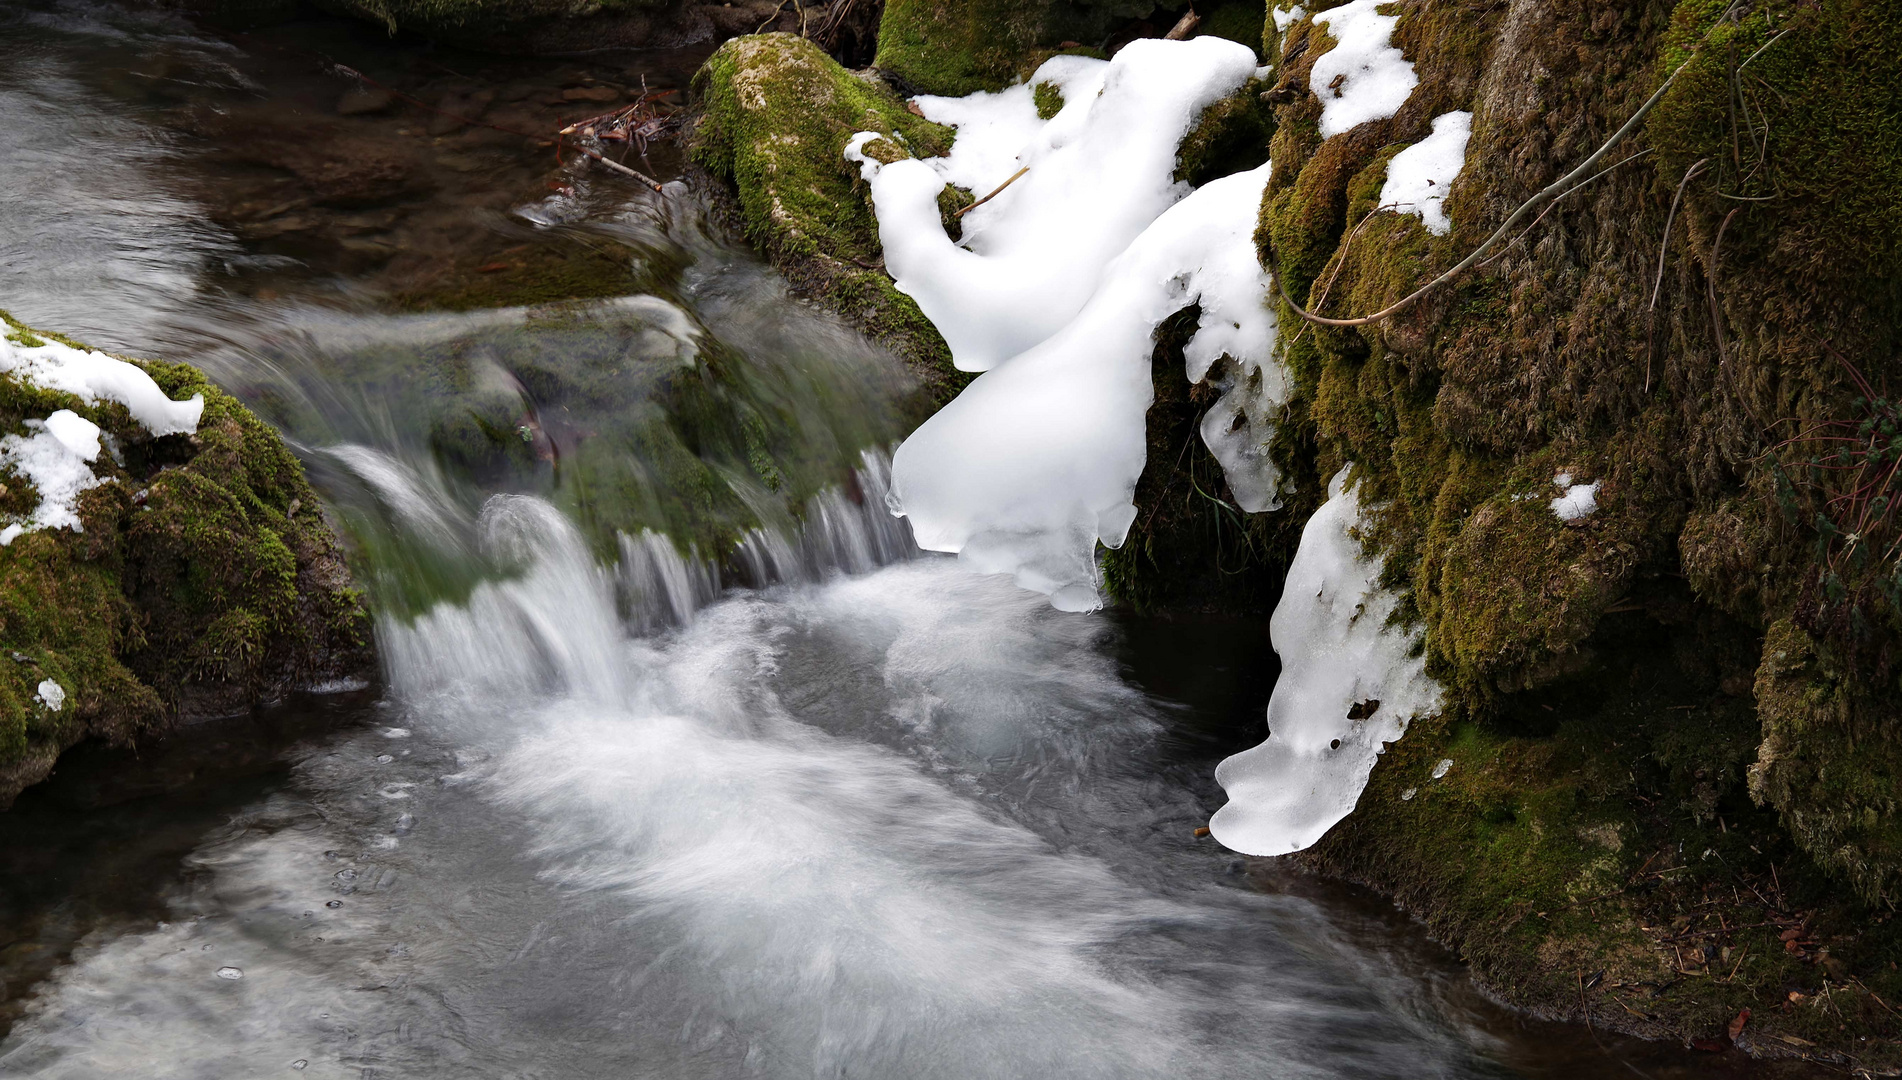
(231, 973)
(384, 759)
(300, 1064)
(333, 904)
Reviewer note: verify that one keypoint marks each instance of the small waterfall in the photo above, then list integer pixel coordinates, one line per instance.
(660, 587)
(845, 530)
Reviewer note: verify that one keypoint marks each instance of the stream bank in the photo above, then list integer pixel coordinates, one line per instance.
(1645, 744)
(1503, 806)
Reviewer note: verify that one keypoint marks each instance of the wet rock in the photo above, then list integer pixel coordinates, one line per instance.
(597, 94)
(365, 101)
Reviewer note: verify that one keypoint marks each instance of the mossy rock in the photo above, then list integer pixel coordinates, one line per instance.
(957, 47)
(1553, 356)
(1592, 851)
(775, 115)
(206, 579)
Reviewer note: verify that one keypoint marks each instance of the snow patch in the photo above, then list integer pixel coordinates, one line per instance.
(1363, 77)
(1286, 18)
(93, 376)
(1100, 172)
(1349, 684)
(1037, 460)
(1419, 177)
(54, 459)
(1578, 501)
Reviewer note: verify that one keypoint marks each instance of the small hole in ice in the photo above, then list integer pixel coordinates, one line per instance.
(230, 973)
(1334, 745)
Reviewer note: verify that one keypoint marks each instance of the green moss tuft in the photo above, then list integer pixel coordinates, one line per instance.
(962, 46)
(1048, 98)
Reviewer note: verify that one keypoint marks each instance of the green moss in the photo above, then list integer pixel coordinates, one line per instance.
(1591, 848)
(777, 113)
(543, 274)
(961, 46)
(1240, 20)
(205, 578)
(1230, 136)
(1048, 98)
(1810, 128)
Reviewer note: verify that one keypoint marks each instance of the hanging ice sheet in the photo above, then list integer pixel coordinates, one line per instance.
(1349, 685)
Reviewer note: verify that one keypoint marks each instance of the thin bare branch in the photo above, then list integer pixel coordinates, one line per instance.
(1665, 245)
(1552, 191)
(994, 192)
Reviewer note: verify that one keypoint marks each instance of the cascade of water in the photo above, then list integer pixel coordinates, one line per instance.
(660, 586)
(845, 529)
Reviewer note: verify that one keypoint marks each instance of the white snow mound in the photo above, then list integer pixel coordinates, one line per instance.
(1037, 460)
(1419, 177)
(1339, 659)
(54, 458)
(1363, 77)
(94, 377)
(1579, 501)
(1100, 172)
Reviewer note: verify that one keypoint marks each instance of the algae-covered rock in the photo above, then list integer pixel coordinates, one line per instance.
(776, 115)
(1696, 380)
(203, 576)
(1830, 761)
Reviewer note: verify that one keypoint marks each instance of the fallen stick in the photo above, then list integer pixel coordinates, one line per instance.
(994, 192)
(1184, 27)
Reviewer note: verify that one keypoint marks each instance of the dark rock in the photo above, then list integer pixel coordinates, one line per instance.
(365, 101)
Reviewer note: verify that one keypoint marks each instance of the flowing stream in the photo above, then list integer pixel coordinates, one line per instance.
(820, 805)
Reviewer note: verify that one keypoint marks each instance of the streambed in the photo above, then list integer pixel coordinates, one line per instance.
(828, 807)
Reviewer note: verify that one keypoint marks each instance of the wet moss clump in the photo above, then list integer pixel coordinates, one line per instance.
(961, 46)
(1230, 136)
(776, 113)
(205, 579)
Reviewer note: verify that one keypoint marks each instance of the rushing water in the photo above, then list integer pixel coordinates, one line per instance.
(818, 805)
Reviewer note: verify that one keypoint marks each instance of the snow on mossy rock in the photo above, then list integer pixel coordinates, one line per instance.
(1584, 641)
(179, 574)
(776, 114)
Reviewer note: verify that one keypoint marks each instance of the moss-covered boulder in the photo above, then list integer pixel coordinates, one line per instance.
(775, 115)
(1710, 652)
(203, 578)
